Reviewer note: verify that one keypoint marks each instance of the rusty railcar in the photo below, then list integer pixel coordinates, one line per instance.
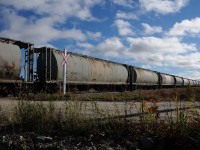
(145, 77)
(166, 80)
(10, 62)
(82, 70)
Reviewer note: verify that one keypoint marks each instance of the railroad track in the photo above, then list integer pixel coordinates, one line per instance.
(141, 114)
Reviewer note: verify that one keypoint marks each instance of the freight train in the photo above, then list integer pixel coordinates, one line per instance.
(43, 71)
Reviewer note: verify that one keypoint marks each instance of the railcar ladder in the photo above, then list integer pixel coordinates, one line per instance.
(29, 64)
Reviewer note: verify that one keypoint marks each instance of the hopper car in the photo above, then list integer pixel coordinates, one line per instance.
(41, 70)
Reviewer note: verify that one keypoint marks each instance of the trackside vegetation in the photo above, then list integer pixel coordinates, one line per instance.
(177, 130)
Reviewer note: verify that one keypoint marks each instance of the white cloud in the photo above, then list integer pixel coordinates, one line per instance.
(125, 3)
(146, 66)
(186, 27)
(38, 32)
(151, 29)
(49, 23)
(86, 46)
(124, 27)
(154, 44)
(158, 51)
(163, 6)
(189, 61)
(111, 47)
(56, 8)
(192, 74)
(124, 15)
(94, 36)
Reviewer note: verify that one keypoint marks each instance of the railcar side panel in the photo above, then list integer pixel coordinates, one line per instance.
(83, 70)
(191, 82)
(10, 62)
(167, 79)
(186, 81)
(145, 77)
(178, 81)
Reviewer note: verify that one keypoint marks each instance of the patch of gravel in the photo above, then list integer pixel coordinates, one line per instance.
(30, 141)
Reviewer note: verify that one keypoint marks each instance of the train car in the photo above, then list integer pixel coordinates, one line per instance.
(166, 80)
(10, 68)
(10, 62)
(186, 82)
(195, 83)
(144, 77)
(178, 81)
(82, 70)
(191, 82)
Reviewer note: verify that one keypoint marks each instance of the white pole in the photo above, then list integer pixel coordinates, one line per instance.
(64, 74)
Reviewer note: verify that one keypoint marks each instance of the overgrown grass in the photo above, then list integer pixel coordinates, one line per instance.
(35, 116)
(75, 116)
(3, 117)
(189, 93)
(78, 117)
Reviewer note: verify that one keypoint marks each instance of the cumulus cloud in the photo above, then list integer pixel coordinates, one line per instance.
(86, 46)
(163, 6)
(151, 29)
(158, 51)
(124, 3)
(47, 20)
(192, 74)
(56, 8)
(110, 47)
(95, 35)
(125, 15)
(186, 27)
(124, 27)
(161, 45)
(39, 32)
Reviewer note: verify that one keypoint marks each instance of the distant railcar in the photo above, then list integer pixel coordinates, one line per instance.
(145, 77)
(166, 79)
(178, 81)
(186, 82)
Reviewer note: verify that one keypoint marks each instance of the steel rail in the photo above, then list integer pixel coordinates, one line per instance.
(145, 113)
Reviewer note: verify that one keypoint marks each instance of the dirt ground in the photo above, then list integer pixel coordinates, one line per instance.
(89, 108)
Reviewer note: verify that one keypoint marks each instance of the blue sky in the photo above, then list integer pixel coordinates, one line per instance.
(162, 35)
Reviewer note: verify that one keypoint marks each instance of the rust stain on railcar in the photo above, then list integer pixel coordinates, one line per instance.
(105, 64)
(9, 69)
(93, 69)
(99, 71)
